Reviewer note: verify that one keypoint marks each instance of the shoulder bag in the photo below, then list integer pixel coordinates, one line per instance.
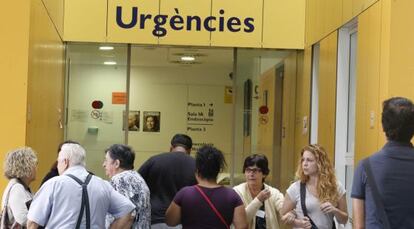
(304, 210)
(5, 221)
(212, 206)
(376, 195)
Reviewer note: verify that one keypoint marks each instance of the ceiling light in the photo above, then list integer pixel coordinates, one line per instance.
(105, 48)
(110, 63)
(187, 58)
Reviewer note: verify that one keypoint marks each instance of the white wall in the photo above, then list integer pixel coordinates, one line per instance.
(169, 90)
(164, 89)
(86, 84)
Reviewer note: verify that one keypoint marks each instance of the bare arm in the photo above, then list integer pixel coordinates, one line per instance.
(125, 221)
(32, 225)
(289, 218)
(239, 218)
(358, 206)
(173, 214)
(340, 212)
(288, 205)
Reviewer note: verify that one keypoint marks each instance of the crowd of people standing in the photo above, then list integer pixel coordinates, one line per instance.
(176, 190)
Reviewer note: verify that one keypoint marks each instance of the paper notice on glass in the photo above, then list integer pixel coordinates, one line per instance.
(108, 117)
(78, 115)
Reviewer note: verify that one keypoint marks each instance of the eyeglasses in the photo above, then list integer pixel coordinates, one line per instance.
(252, 170)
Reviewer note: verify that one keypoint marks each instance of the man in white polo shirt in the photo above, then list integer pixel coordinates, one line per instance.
(58, 203)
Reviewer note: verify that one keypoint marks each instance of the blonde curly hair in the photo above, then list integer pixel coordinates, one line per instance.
(20, 163)
(326, 187)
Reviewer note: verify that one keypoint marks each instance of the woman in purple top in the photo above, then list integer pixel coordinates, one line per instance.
(192, 210)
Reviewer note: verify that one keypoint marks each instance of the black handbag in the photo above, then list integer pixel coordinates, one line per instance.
(304, 210)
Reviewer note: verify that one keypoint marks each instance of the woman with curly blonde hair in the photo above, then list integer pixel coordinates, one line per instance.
(324, 196)
(20, 168)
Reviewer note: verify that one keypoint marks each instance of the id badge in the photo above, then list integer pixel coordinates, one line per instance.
(260, 213)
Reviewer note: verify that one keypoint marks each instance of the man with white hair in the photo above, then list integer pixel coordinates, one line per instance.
(76, 199)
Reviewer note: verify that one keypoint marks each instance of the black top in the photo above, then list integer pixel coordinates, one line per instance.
(52, 173)
(165, 174)
(261, 221)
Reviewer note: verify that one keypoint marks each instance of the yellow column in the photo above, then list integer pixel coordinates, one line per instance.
(14, 46)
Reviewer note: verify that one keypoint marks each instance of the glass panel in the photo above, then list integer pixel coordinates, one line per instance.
(259, 81)
(187, 90)
(352, 92)
(96, 99)
(349, 175)
(315, 95)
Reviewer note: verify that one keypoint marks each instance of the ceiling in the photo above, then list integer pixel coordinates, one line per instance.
(155, 56)
(164, 56)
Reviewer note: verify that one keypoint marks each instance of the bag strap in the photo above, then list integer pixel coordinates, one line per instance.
(4, 211)
(303, 203)
(303, 199)
(375, 194)
(85, 200)
(6, 203)
(212, 206)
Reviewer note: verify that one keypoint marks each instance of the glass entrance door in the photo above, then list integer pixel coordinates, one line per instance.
(262, 112)
(96, 99)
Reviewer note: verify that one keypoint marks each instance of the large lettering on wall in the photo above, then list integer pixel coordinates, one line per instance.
(185, 22)
(229, 23)
(163, 23)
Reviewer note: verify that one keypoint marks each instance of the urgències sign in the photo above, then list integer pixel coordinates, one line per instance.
(229, 23)
(160, 24)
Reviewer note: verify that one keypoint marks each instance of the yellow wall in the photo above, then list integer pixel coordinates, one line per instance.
(303, 95)
(186, 7)
(278, 24)
(14, 46)
(85, 20)
(325, 16)
(327, 93)
(56, 8)
(401, 66)
(31, 58)
(266, 132)
(384, 68)
(288, 122)
(368, 81)
(281, 161)
(45, 88)
(282, 24)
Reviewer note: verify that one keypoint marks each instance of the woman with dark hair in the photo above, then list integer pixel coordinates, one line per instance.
(324, 196)
(119, 166)
(208, 204)
(53, 170)
(151, 123)
(262, 201)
